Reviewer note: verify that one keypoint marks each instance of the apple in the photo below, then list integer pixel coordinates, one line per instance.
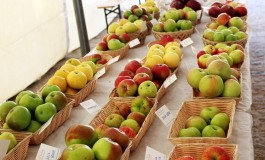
(238, 56)
(172, 14)
(236, 22)
(92, 65)
(160, 71)
(237, 46)
(127, 87)
(146, 70)
(132, 124)
(137, 116)
(119, 79)
(211, 86)
(87, 70)
(122, 109)
(110, 37)
(115, 44)
(226, 32)
(128, 131)
(148, 89)
(125, 38)
(81, 134)
(235, 73)
(33, 126)
(47, 89)
(102, 46)
(133, 66)
(141, 77)
(189, 132)
(222, 120)
(31, 101)
(186, 24)
(228, 58)
(217, 4)
(200, 53)
(158, 83)
(194, 4)
(208, 113)
(240, 35)
(172, 60)
(44, 112)
(158, 27)
(5, 107)
(219, 45)
(241, 11)
(211, 59)
(213, 131)
(194, 76)
(175, 49)
(210, 49)
(219, 67)
(126, 73)
(226, 49)
(202, 60)
(170, 25)
(218, 37)
(58, 98)
(160, 46)
(177, 4)
(129, 26)
(137, 11)
(11, 137)
(77, 151)
(169, 44)
(231, 88)
(120, 31)
(114, 120)
(154, 51)
(118, 136)
(127, 13)
(112, 27)
(195, 121)
(215, 152)
(208, 34)
(223, 18)
(100, 129)
(112, 150)
(190, 15)
(132, 18)
(18, 118)
(21, 94)
(166, 38)
(228, 9)
(214, 11)
(141, 104)
(95, 57)
(213, 25)
(186, 158)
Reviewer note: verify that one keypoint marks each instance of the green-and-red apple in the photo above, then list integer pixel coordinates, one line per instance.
(208, 113)
(194, 76)
(189, 132)
(133, 66)
(137, 116)
(195, 121)
(219, 67)
(146, 70)
(18, 118)
(127, 87)
(213, 131)
(102, 46)
(148, 89)
(215, 152)
(141, 77)
(126, 73)
(128, 131)
(235, 73)
(132, 124)
(236, 22)
(118, 136)
(100, 129)
(114, 120)
(45, 111)
(238, 56)
(211, 86)
(9, 136)
(231, 88)
(122, 109)
(119, 79)
(210, 49)
(58, 98)
(141, 104)
(222, 120)
(203, 60)
(77, 151)
(158, 27)
(31, 101)
(5, 107)
(223, 18)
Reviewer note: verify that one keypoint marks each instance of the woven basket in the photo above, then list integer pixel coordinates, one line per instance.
(149, 26)
(21, 149)
(181, 35)
(106, 111)
(157, 15)
(242, 42)
(193, 108)
(244, 18)
(243, 29)
(140, 35)
(105, 56)
(196, 150)
(120, 52)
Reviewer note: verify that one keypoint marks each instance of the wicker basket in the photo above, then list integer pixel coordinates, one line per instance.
(198, 21)
(120, 52)
(181, 35)
(195, 150)
(106, 111)
(141, 35)
(105, 56)
(243, 29)
(157, 15)
(149, 26)
(21, 149)
(244, 18)
(242, 42)
(193, 108)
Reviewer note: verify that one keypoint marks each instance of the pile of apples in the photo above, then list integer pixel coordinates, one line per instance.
(150, 6)
(83, 142)
(210, 123)
(98, 59)
(233, 55)
(125, 26)
(11, 137)
(180, 4)
(29, 110)
(186, 13)
(113, 42)
(232, 9)
(141, 13)
(74, 75)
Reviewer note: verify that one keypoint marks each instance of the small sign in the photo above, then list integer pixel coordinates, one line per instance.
(186, 42)
(45, 125)
(143, 27)
(113, 60)
(165, 115)
(90, 106)
(4, 147)
(154, 21)
(170, 80)
(47, 152)
(152, 154)
(100, 73)
(134, 42)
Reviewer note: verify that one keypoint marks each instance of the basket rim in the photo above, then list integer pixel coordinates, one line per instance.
(236, 41)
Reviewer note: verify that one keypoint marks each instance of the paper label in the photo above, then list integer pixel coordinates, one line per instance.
(4, 146)
(100, 73)
(90, 106)
(154, 21)
(45, 125)
(165, 115)
(170, 80)
(134, 42)
(143, 27)
(152, 154)
(186, 42)
(113, 60)
(47, 152)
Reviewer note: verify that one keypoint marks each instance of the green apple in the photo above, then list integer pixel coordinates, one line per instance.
(114, 120)
(191, 15)
(114, 44)
(178, 24)
(234, 29)
(158, 27)
(5, 126)
(213, 131)
(218, 37)
(189, 132)
(48, 89)
(220, 68)
(215, 57)
(228, 58)
(186, 25)
(194, 76)
(235, 73)
(58, 98)
(118, 136)
(202, 61)
(21, 94)
(141, 104)
(186, 9)
(226, 32)
(18, 118)
(33, 126)
(208, 113)
(219, 45)
(112, 27)
(172, 14)
(92, 66)
(231, 88)
(127, 13)
(5, 108)
(130, 27)
(105, 149)
(132, 18)
(45, 111)
(220, 28)
(9, 136)
(211, 86)
(230, 37)
(236, 22)
(31, 101)
(77, 151)
(222, 120)
(208, 34)
(238, 56)
(213, 25)
(133, 124)
(170, 25)
(148, 89)
(195, 121)
(240, 35)
(120, 30)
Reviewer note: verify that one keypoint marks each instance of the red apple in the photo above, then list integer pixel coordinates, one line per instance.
(102, 61)
(102, 46)
(223, 19)
(134, 7)
(160, 71)
(124, 38)
(214, 11)
(129, 131)
(137, 116)
(112, 36)
(215, 152)
(141, 77)
(123, 109)
(118, 136)
(95, 57)
(218, 4)
(133, 66)
(100, 129)
(146, 70)
(202, 60)
(159, 42)
(241, 11)
(158, 83)
(177, 4)
(126, 73)
(166, 38)
(228, 9)
(105, 38)
(200, 53)
(210, 49)
(194, 4)
(127, 87)
(119, 79)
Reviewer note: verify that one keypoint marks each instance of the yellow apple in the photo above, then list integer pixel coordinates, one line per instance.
(169, 44)
(92, 65)
(73, 61)
(159, 46)
(76, 79)
(112, 27)
(130, 27)
(174, 49)
(85, 68)
(171, 59)
(153, 60)
(155, 51)
(123, 21)
(138, 23)
(68, 67)
(62, 73)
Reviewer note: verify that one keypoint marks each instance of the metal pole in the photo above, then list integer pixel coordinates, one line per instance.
(81, 27)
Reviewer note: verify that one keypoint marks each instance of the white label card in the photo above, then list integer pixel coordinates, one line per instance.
(134, 42)
(100, 73)
(170, 80)
(154, 21)
(165, 115)
(45, 125)
(4, 146)
(152, 154)
(90, 106)
(47, 152)
(113, 60)
(186, 42)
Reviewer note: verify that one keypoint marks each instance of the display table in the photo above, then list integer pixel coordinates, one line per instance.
(177, 93)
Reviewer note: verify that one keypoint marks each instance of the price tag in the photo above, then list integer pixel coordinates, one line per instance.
(90, 106)
(100, 73)
(45, 125)
(186, 42)
(47, 152)
(4, 146)
(143, 27)
(165, 115)
(170, 80)
(154, 21)
(113, 60)
(134, 42)
(152, 154)
(137, 59)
